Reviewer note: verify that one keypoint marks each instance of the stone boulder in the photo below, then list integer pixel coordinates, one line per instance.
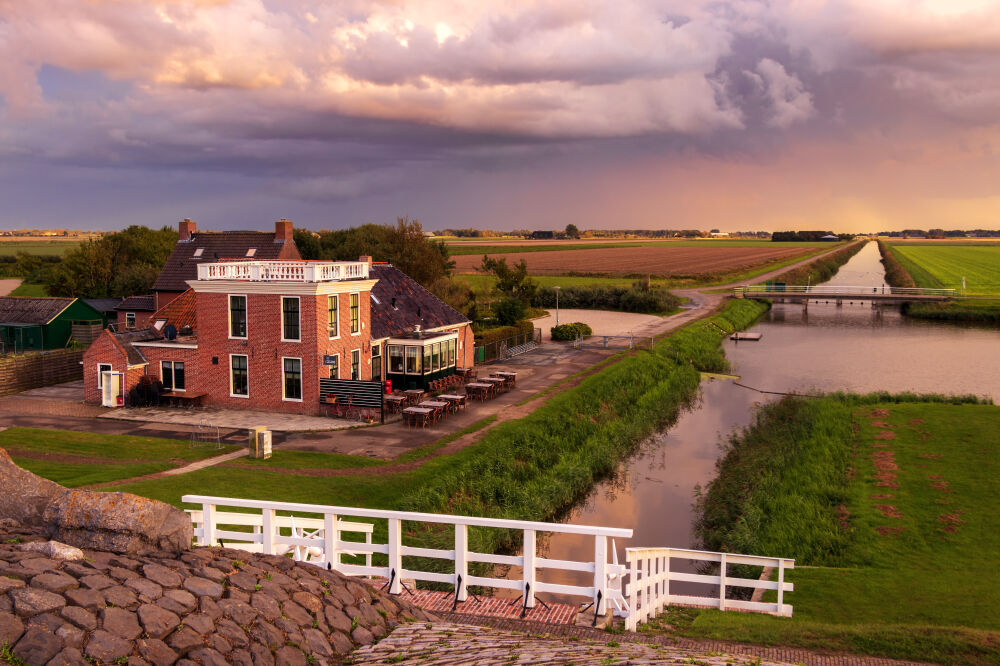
(25, 494)
(117, 523)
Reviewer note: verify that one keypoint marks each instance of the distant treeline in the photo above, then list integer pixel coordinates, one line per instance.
(942, 233)
(805, 236)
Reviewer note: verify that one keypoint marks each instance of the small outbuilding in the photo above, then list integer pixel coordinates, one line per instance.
(36, 324)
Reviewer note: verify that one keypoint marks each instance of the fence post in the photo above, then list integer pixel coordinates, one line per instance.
(633, 587)
(267, 533)
(722, 582)
(330, 538)
(600, 574)
(395, 555)
(461, 562)
(781, 587)
(666, 569)
(529, 568)
(207, 525)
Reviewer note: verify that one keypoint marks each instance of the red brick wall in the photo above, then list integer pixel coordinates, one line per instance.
(190, 358)
(265, 350)
(161, 298)
(141, 321)
(102, 350)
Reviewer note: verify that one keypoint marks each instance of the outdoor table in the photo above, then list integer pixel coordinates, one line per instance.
(509, 376)
(395, 402)
(181, 397)
(497, 383)
(414, 415)
(454, 401)
(414, 395)
(435, 405)
(478, 390)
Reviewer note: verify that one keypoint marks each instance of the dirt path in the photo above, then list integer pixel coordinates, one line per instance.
(191, 467)
(9, 285)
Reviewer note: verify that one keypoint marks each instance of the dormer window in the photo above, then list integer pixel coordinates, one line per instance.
(158, 324)
(199, 251)
(251, 252)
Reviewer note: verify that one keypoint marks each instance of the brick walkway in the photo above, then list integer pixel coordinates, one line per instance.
(766, 653)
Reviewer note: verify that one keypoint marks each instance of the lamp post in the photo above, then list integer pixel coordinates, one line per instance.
(557, 305)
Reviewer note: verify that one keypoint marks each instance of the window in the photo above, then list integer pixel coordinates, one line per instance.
(451, 352)
(335, 367)
(200, 251)
(239, 384)
(293, 378)
(355, 313)
(413, 360)
(251, 252)
(436, 356)
(377, 363)
(356, 364)
(395, 359)
(331, 307)
(289, 318)
(172, 375)
(237, 316)
(428, 366)
(101, 369)
(158, 324)
(129, 320)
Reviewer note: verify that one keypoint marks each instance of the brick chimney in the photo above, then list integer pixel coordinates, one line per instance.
(283, 231)
(185, 228)
(366, 259)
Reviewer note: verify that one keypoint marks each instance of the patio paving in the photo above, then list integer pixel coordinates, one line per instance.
(229, 418)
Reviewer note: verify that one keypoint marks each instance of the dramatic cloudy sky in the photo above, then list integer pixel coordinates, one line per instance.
(738, 114)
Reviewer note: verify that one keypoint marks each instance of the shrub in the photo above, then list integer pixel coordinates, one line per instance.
(637, 298)
(570, 331)
(509, 311)
(485, 336)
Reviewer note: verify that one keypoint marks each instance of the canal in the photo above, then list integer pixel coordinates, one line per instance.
(822, 347)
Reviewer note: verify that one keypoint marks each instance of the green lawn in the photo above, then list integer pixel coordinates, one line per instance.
(946, 265)
(28, 289)
(113, 457)
(911, 572)
(40, 247)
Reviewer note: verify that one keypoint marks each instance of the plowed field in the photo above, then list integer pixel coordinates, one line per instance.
(653, 260)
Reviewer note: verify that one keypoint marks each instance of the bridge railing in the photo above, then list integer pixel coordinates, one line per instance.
(833, 290)
(318, 541)
(650, 574)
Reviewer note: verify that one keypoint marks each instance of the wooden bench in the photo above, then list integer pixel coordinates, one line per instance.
(183, 398)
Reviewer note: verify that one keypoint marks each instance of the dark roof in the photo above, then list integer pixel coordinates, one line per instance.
(41, 310)
(180, 312)
(126, 338)
(388, 321)
(103, 305)
(214, 245)
(144, 303)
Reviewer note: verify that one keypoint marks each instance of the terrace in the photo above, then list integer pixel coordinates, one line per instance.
(284, 271)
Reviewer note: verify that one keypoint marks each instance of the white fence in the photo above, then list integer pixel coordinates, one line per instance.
(284, 271)
(612, 342)
(650, 575)
(833, 290)
(318, 541)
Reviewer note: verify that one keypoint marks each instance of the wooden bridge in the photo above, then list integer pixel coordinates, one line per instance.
(838, 294)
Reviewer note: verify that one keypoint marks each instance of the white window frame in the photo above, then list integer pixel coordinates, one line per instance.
(336, 297)
(330, 366)
(301, 382)
(172, 375)
(360, 323)
(282, 311)
(358, 352)
(100, 375)
(246, 313)
(246, 396)
(129, 326)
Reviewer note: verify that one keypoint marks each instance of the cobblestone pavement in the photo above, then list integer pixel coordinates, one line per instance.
(446, 643)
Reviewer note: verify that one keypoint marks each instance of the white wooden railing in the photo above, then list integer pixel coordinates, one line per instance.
(650, 575)
(834, 290)
(324, 547)
(284, 271)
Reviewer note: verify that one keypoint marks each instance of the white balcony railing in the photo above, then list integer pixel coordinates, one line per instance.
(284, 271)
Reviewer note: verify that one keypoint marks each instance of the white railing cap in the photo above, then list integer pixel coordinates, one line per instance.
(498, 523)
(283, 271)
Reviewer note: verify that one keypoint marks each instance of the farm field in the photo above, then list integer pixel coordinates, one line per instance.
(37, 246)
(495, 246)
(672, 261)
(944, 265)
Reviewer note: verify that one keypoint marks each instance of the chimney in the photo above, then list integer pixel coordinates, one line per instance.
(366, 259)
(185, 228)
(283, 231)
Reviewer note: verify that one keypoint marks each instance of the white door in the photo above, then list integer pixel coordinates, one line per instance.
(110, 388)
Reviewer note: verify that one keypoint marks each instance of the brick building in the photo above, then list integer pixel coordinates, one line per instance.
(261, 334)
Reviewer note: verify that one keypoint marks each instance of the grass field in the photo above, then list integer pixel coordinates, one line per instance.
(81, 458)
(945, 266)
(28, 289)
(39, 247)
(888, 509)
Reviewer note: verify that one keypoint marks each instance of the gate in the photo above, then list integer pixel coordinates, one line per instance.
(353, 394)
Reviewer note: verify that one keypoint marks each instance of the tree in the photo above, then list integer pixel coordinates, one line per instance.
(572, 231)
(512, 282)
(509, 311)
(308, 244)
